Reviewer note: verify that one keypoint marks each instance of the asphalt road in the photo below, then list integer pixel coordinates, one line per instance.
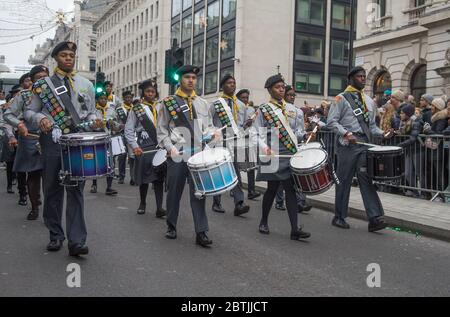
(129, 255)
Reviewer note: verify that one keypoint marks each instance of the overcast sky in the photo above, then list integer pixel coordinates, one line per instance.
(18, 53)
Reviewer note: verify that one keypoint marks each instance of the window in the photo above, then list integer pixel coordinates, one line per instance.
(199, 22)
(419, 3)
(93, 45)
(225, 71)
(199, 86)
(187, 56)
(308, 48)
(341, 16)
(197, 55)
(308, 82)
(211, 83)
(213, 15)
(339, 52)
(187, 4)
(381, 8)
(228, 10)
(311, 11)
(337, 84)
(212, 50)
(186, 29)
(382, 83)
(227, 44)
(419, 82)
(92, 65)
(176, 7)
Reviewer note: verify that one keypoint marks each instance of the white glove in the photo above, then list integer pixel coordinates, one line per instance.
(56, 134)
(426, 127)
(144, 135)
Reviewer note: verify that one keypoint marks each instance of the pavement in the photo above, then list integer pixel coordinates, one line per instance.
(129, 255)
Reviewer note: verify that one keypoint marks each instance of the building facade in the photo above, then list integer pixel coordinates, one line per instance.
(404, 44)
(307, 41)
(132, 38)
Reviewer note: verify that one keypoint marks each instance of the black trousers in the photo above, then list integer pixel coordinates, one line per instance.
(34, 188)
(291, 201)
(251, 177)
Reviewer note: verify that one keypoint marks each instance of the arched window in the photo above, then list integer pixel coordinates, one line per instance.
(382, 83)
(418, 83)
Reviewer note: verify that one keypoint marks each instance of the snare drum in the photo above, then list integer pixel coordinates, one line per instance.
(310, 145)
(118, 146)
(311, 171)
(213, 172)
(86, 156)
(385, 163)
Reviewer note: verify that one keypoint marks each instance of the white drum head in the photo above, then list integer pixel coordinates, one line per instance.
(310, 145)
(308, 159)
(160, 158)
(209, 157)
(385, 149)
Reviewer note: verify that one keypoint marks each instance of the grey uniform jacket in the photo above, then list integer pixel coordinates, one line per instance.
(134, 127)
(169, 134)
(83, 99)
(341, 118)
(15, 113)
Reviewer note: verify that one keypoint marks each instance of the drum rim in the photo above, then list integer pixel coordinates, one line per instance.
(209, 167)
(321, 164)
(221, 191)
(227, 158)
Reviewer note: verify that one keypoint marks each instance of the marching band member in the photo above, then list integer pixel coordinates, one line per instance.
(59, 104)
(113, 100)
(243, 100)
(184, 110)
(226, 112)
(273, 118)
(106, 111)
(122, 117)
(352, 118)
(28, 157)
(142, 120)
(297, 123)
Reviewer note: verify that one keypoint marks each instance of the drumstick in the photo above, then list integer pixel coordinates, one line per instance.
(279, 156)
(367, 144)
(33, 135)
(310, 136)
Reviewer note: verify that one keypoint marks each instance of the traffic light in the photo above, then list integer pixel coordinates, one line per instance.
(100, 79)
(174, 60)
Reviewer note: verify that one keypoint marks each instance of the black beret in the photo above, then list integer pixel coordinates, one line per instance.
(146, 84)
(127, 93)
(100, 94)
(355, 70)
(23, 77)
(188, 69)
(107, 83)
(226, 78)
(271, 81)
(63, 46)
(15, 89)
(243, 91)
(38, 69)
(289, 87)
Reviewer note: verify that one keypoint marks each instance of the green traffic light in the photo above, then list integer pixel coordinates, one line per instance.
(176, 77)
(99, 90)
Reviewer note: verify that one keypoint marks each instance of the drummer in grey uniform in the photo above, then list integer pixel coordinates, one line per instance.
(297, 122)
(352, 117)
(79, 105)
(28, 156)
(188, 112)
(122, 112)
(142, 121)
(274, 136)
(236, 115)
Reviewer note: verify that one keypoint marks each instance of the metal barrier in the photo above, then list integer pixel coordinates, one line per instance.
(427, 163)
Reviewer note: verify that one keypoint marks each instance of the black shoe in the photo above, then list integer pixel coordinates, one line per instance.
(264, 229)
(121, 181)
(304, 208)
(93, 189)
(280, 206)
(23, 200)
(9, 190)
(171, 233)
(111, 192)
(218, 208)
(203, 240)
(241, 209)
(33, 215)
(141, 209)
(377, 224)
(161, 213)
(340, 223)
(300, 234)
(253, 195)
(78, 250)
(132, 183)
(54, 245)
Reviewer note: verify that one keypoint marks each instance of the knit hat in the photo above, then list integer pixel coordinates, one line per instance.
(408, 110)
(438, 103)
(427, 97)
(399, 95)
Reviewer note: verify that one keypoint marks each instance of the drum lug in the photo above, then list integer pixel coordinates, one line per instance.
(199, 195)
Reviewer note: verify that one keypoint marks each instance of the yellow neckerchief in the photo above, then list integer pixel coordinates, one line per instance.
(111, 97)
(189, 99)
(152, 105)
(102, 109)
(70, 76)
(282, 106)
(127, 107)
(235, 106)
(361, 92)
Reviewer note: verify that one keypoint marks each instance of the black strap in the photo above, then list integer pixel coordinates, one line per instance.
(183, 121)
(147, 124)
(358, 112)
(66, 100)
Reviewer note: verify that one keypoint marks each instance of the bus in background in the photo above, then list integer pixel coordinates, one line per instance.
(9, 77)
